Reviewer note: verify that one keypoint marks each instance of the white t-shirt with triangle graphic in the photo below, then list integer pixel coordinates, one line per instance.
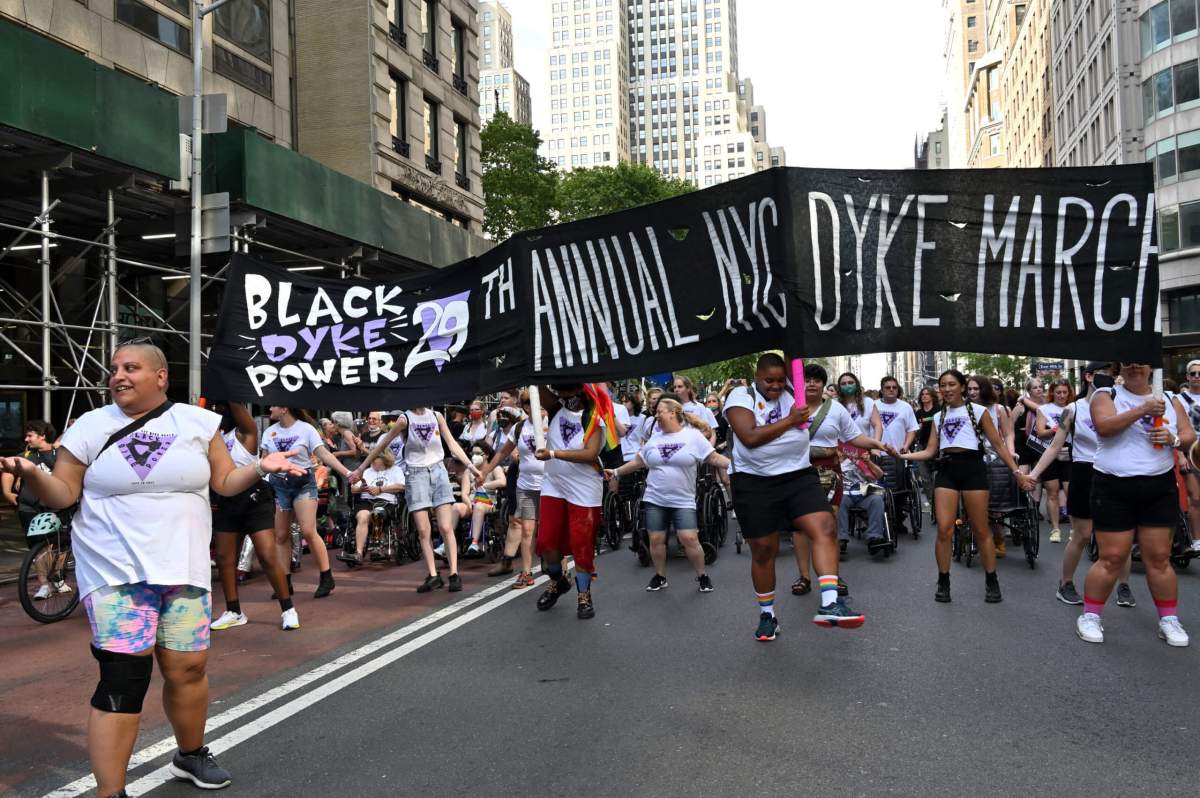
(144, 515)
(672, 458)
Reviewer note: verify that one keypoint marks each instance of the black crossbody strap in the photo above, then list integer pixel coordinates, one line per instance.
(133, 426)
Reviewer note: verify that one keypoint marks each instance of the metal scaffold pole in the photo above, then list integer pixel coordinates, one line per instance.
(114, 334)
(47, 379)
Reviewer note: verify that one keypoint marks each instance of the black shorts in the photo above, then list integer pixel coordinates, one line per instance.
(766, 505)
(962, 471)
(246, 513)
(1058, 470)
(1079, 497)
(1123, 503)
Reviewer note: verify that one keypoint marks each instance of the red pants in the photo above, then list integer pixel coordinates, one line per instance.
(569, 529)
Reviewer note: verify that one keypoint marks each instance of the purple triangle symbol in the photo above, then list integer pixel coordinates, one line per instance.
(143, 450)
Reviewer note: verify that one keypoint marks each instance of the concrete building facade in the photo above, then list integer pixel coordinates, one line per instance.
(1027, 138)
(501, 86)
(247, 49)
(388, 94)
(963, 45)
(588, 79)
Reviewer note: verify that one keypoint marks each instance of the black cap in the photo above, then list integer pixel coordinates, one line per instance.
(1095, 365)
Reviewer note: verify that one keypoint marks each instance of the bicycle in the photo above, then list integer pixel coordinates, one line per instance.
(53, 557)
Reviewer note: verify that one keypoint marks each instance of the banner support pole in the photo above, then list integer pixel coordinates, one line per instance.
(535, 415)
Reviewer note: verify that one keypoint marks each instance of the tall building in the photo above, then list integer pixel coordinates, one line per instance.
(963, 45)
(588, 79)
(931, 152)
(691, 115)
(501, 86)
(388, 94)
(1170, 94)
(1028, 103)
(247, 52)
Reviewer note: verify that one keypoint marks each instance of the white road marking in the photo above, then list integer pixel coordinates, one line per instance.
(167, 745)
(162, 775)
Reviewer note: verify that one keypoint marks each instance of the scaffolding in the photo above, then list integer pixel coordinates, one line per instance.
(87, 254)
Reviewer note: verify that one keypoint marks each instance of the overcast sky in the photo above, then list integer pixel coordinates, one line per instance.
(846, 83)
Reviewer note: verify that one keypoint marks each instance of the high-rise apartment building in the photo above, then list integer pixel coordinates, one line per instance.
(501, 86)
(1028, 104)
(588, 79)
(388, 94)
(963, 46)
(932, 152)
(691, 116)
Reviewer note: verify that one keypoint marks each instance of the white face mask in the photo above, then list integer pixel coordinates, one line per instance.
(478, 460)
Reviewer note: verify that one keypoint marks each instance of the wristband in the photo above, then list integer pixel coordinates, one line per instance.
(258, 469)
(552, 455)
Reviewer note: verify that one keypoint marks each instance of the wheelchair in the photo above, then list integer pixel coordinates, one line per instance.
(621, 510)
(962, 543)
(387, 533)
(901, 482)
(712, 510)
(1013, 509)
(859, 519)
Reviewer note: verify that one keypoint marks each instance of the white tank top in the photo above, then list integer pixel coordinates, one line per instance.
(994, 412)
(1083, 449)
(423, 447)
(1130, 453)
(958, 432)
(238, 452)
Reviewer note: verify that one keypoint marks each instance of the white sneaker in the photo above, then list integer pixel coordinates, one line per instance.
(440, 551)
(62, 587)
(474, 548)
(1089, 628)
(289, 620)
(1171, 630)
(44, 592)
(1056, 535)
(230, 619)
(1195, 549)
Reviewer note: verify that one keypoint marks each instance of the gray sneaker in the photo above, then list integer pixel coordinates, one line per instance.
(1068, 595)
(1125, 596)
(201, 769)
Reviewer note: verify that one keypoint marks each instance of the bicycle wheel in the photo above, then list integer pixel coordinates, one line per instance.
(58, 562)
(914, 512)
(612, 520)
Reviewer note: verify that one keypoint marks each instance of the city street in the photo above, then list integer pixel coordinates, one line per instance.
(384, 692)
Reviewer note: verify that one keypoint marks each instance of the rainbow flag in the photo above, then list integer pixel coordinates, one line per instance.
(599, 407)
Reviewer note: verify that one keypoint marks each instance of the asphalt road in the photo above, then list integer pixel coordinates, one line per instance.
(668, 694)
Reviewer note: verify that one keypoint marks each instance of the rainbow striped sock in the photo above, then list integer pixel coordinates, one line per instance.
(766, 603)
(828, 585)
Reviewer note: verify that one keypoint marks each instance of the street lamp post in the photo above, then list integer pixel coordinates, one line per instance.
(199, 12)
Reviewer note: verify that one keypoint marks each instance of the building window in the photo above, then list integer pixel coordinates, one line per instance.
(239, 70)
(247, 24)
(1156, 27)
(1183, 19)
(395, 15)
(149, 22)
(182, 6)
(1187, 83)
(1189, 154)
(432, 151)
(398, 107)
(460, 154)
(1184, 312)
(970, 22)
(429, 30)
(972, 46)
(459, 42)
(1189, 225)
(995, 143)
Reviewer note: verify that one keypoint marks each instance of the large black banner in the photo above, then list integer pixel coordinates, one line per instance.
(1055, 262)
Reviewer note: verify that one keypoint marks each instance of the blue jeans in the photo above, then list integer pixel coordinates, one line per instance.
(663, 519)
(873, 504)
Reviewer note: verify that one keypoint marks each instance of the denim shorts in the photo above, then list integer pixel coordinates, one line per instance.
(289, 489)
(528, 502)
(130, 619)
(660, 519)
(427, 487)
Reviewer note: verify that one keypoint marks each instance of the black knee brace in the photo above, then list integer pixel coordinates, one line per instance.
(124, 680)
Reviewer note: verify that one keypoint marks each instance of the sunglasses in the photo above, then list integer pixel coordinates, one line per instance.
(1194, 373)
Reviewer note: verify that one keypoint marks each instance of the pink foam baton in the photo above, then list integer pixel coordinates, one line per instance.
(798, 385)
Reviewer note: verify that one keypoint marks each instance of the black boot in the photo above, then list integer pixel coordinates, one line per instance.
(943, 589)
(992, 589)
(325, 587)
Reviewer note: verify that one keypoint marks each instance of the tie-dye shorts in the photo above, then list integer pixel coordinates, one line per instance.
(130, 619)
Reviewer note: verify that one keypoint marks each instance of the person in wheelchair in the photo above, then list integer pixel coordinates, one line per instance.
(860, 479)
(481, 496)
(382, 482)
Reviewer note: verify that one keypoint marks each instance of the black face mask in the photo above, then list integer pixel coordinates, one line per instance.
(1103, 381)
(573, 403)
